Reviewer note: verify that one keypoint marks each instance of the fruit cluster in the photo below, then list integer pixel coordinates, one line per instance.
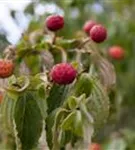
(65, 73)
(78, 106)
(97, 32)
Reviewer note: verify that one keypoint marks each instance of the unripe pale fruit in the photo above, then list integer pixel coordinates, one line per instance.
(98, 33)
(95, 146)
(6, 68)
(54, 22)
(116, 52)
(63, 73)
(88, 26)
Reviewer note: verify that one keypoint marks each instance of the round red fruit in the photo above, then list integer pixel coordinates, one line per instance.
(88, 25)
(116, 52)
(54, 22)
(6, 68)
(63, 73)
(95, 146)
(98, 33)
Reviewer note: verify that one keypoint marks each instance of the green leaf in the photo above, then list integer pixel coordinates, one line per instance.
(67, 43)
(42, 103)
(28, 119)
(33, 60)
(106, 72)
(52, 125)
(88, 131)
(23, 115)
(72, 102)
(86, 113)
(83, 85)
(57, 96)
(56, 128)
(49, 124)
(84, 142)
(98, 104)
(67, 123)
(74, 123)
(78, 124)
(23, 51)
(64, 137)
(7, 113)
(18, 85)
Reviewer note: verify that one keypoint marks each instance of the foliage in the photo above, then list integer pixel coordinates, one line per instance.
(75, 113)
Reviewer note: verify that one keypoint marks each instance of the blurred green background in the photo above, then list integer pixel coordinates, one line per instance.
(118, 17)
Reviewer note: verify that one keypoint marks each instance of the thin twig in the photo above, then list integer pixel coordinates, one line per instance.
(84, 42)
(54, 38)
(63, 53)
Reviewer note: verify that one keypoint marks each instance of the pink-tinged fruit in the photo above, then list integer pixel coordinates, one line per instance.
(98, 33)
(116, 52)
(95, 146)
(54, 22)
(63, 73)
(1, 97)
(6, 68)
(88, 26)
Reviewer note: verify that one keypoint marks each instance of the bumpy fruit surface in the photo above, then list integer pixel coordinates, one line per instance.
(6, 68)
(98, 33)
(54, 22)
(88, 25)
(63, 73)
(95, 146)
(116, 52)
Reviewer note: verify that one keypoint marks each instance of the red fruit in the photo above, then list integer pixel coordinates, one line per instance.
(98, 33)
(88, 25)
(6, 68)
(95, 146)
(54, 22)
(63, 73)
(116, 52)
